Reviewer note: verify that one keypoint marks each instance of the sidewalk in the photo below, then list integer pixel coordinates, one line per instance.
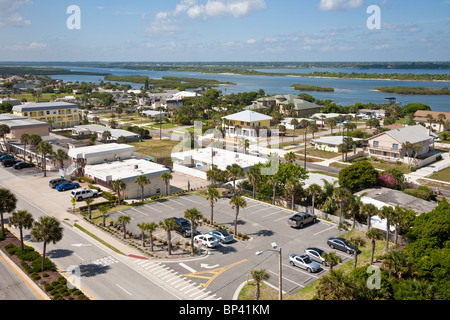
(430, 169)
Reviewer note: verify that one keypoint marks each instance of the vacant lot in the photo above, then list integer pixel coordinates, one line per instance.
(443, 175)
(155, 147)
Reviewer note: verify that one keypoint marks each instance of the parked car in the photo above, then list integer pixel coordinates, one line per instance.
(6, 157)
(183, 226)
(22, 165)
(84, 193)
(222, 236)
(298, 220)
(316, 254)
(10, 162)
(54, 182)
(304, 262)
(206, 240)
(254, 153)
(340, 244)
(67, 186)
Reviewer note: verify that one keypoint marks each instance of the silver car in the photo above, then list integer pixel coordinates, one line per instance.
(316, 254)
(304, 262)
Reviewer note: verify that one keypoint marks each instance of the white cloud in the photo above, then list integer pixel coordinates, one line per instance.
(251, 41)
(217, 8)
(382, 46)
(10, 15)
(37, 45)
(328, 5)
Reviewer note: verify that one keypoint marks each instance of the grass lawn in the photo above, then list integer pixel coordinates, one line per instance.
(155, 147)
(308, 292)
(310, 151)
(443, 175)
(45, 97)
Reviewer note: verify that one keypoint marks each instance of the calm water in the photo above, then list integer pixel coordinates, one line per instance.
(347, 91)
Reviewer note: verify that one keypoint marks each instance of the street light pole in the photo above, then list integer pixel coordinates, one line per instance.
(280, 274)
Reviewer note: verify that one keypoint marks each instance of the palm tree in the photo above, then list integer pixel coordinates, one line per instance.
(254, 176)
(35, 139)
(106, 135)
(398, 263)
(4, 130)
(332, 123)
(387, 213)
(356, 204)
(259, 276)
(442, 117)
(8, 202)
(118, 185)
(142, 181)
(44, 148)
(313, 128)
(336, 285)
(166, 176)
(290, 157)
(150, 228)
(103, 210)
(168, 225)
(25, 139)
(21, 219)
(356, 242)
(235, 171)
(212, 195)
(237, 202)
(124, 220)
(430, 120)
(331, 259)
(369, 210)
(273, 180)
(373, 234)
(304, 124)
(88, 203)
(290, 188)
(314, 190)
(342, 196)
(48, 230)
(193, 215)
(61, 155)
(294, 123)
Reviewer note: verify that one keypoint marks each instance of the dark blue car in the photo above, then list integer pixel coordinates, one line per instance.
(67, 186)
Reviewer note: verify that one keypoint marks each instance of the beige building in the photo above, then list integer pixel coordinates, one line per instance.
(58, 114)
(421, 116)
(19, 125)
(291, 105)
(245, 123)
(390, 145)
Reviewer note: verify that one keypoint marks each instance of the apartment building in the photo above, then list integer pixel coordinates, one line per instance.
(57, 114)
(245, 123)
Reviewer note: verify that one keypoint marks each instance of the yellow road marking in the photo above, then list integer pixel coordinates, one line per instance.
(214, 273)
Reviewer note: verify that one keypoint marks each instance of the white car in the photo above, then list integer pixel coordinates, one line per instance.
(206, 240)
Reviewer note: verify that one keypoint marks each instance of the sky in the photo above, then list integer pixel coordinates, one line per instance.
(224, 30)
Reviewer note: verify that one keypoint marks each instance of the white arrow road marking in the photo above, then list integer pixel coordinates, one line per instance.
(187, 267)
(207, 266)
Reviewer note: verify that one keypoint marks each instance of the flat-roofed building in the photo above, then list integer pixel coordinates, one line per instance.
(19, 125)
(128, 171)
(58, 114)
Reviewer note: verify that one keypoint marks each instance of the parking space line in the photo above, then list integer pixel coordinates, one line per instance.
(284, 278)
(260, 210)
(300, 270)
(181, 204)
(150, 207)
(184, 198)
(267, 215)
(139, 211)
(324, 230)
(165, 205)
(282, 218)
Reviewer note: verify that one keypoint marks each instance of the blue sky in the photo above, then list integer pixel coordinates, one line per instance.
(224, 30)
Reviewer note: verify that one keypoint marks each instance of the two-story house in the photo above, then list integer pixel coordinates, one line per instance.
(395, 145)
(245, 123)
(57, 114)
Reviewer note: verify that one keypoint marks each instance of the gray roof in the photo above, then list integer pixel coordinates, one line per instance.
(333, 140)
(248, 116)
(413, 134)
(44, 106)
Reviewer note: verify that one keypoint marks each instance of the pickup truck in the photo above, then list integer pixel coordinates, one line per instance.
(300, 219)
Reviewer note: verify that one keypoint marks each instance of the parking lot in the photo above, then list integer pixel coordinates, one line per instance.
(262, 222)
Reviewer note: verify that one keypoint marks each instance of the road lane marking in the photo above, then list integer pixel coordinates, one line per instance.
(187, 267)
(123, 289)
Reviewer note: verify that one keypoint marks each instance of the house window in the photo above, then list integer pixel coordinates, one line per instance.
(47, 112)
(25, 114)
(376, 144)
(395, 146)
(395, 156)
(158, 190)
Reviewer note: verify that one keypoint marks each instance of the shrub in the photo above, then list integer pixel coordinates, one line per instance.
(387, 180)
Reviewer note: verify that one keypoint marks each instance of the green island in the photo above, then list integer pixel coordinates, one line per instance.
(168, 82)
(414, 90)
(305, 87)
(41, 71)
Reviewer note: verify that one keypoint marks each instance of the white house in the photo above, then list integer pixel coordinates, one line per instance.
(331, 143)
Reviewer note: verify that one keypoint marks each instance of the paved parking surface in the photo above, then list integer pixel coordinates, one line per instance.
(226, 266)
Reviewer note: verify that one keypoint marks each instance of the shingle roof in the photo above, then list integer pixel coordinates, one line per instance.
(413, 134)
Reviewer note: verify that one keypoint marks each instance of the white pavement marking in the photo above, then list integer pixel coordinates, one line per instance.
(165, 205)
(187, 199)
(181, 204)
(187, 267)
(267, 215)
(124, 290)
(284, 278)
(150, 207)
(324, 230)
(139, 211)
(260, 210)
